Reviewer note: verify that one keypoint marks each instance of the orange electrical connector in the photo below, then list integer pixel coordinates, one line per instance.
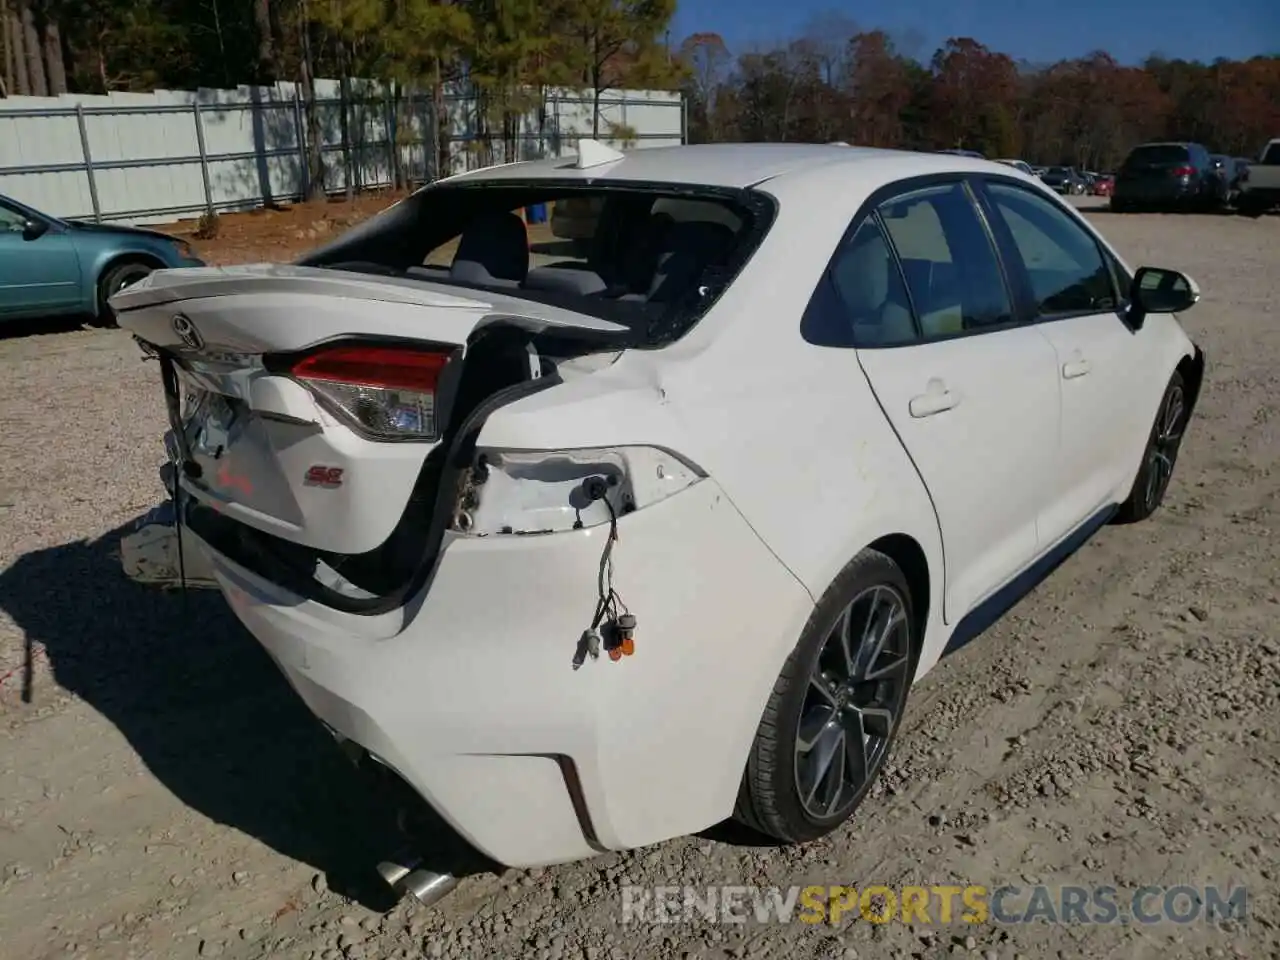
(628, 647)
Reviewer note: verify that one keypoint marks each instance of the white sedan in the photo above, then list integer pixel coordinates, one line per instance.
(592, 551)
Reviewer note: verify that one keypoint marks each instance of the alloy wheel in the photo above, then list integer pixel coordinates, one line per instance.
(1164, 446)
(854, 699)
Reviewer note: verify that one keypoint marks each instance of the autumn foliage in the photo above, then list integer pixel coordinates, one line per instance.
(1089, 112)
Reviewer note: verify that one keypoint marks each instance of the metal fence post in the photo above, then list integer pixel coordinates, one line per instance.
(88, 163)
(389, 124)
(304, 175)
(204, 159)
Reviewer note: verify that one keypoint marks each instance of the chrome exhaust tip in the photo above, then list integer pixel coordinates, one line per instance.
(427, 886)
(408, 876)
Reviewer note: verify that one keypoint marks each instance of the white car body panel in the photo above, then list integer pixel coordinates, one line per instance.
(1000, 435)
(808, 455)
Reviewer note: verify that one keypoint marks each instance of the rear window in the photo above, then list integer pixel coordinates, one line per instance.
(653, 259)
(1272, 154)
(1157, 153)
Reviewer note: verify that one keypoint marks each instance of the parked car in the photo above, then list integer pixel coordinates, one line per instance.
(54, 267)
(1260, 182)
(539, 544)
(1018, 165)
(1103, 185)
(1064, 180)
(1168, 175)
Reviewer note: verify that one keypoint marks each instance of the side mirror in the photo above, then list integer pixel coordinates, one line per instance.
(1157, 290)
(34, 229)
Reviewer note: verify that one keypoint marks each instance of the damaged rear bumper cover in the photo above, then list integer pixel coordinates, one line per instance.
(469, 693)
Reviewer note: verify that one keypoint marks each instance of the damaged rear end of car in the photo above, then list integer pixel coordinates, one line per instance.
(324, 459)
(325, 455)
(323, 414)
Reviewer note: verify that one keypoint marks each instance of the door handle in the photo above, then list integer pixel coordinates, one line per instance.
(1075, 368)
(936, 399)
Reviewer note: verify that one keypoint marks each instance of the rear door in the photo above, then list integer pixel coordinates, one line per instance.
(971, 393)
(1067, 284)
(38, 275)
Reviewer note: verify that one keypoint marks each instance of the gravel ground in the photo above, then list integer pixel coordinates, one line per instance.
(164, 794)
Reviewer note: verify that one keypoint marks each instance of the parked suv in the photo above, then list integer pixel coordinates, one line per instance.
(1165, 175)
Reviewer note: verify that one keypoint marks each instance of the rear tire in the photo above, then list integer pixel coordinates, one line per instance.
(114, 279)
(1248, 207)
(1160, 455)
(839, 699)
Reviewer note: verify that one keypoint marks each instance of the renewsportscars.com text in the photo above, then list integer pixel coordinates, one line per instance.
(939, 904)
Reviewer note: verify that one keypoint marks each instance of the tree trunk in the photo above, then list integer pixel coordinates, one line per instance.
(31, 46)
(18, 52)
(344, 124)
(55, 70)
(9, 78)
(440, 118)
(266, 42)
(595, 102)
(315, 132)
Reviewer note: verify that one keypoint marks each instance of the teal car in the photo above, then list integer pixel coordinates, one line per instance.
(52, 267)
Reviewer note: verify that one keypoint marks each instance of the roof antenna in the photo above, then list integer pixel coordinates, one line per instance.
(593, 153)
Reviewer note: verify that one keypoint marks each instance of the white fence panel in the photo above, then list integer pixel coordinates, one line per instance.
(155, 157)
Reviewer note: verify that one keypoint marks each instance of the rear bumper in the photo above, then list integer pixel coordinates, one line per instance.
(1140, 193)
(469, 694)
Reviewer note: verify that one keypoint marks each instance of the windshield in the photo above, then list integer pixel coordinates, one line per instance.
(1157, 153)
(651, 258)
(1272, 155)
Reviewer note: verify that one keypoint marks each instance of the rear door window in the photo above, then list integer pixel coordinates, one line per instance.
(1156, 155)
(870, 290)
(948, 260)
(1272, 154)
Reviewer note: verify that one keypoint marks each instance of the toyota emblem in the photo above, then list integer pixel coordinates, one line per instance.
(187, 332)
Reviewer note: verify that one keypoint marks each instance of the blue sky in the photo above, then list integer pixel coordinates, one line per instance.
(1035, 30)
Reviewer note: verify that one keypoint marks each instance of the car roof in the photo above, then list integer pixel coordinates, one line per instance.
(734, 165)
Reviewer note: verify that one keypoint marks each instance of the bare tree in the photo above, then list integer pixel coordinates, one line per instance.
(39, 86)
(55, 70)
(266, 41)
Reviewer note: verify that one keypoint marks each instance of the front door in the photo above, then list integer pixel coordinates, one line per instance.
(1070, 289)
(40, 275)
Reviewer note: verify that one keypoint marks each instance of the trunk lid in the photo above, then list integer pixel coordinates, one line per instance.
(269, 449)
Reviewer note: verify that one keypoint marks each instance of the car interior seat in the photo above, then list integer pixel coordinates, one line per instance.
(877, 309)
(493, 251)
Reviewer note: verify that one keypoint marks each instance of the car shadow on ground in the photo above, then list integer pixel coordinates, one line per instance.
(209, 714)
(15, 329)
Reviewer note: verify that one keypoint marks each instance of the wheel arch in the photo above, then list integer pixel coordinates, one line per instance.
(1192, 369)
(910, 557)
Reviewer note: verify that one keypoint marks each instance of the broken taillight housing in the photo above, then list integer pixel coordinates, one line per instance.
(384, 393)
(549, 491)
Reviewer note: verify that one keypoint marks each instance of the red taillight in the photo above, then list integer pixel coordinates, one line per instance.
(385, 393)
(386, 367)
(1183, 171)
